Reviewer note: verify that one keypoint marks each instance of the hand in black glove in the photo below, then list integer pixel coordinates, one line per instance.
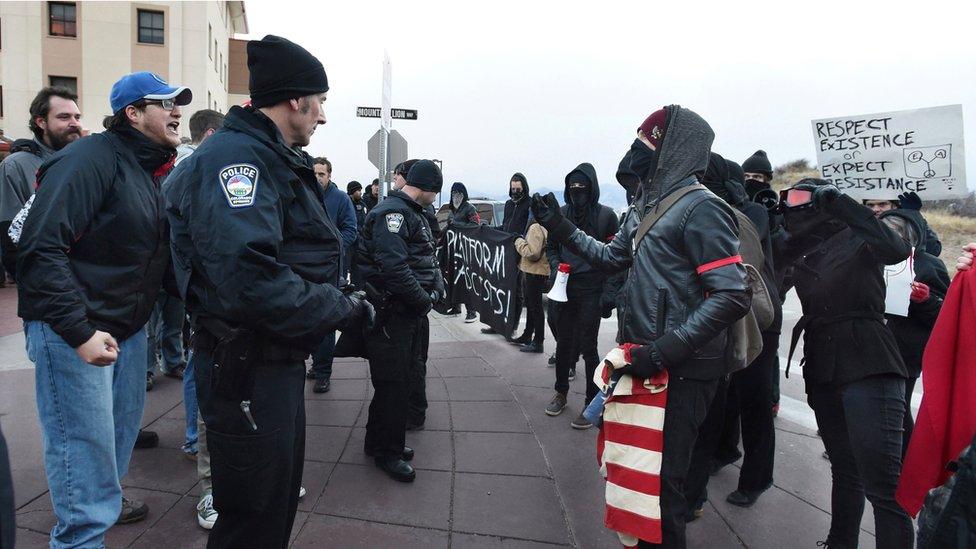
(822, 194)
(645, 362)
(546, 210)
(910, 201)
(362, 313)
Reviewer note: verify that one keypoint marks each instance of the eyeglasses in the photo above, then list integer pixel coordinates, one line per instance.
(795, 198)
(166, 104)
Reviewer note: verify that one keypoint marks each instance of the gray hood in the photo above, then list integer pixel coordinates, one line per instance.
(684, 152)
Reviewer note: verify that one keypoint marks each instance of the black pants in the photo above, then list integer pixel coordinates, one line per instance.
(861, 426)
(354, 277)
(688, 403)
(392, 353)
(553, 318)
(709, 434)
(256, 474)
(753, 388)
(579, 326)
(417, 378)
(535, 321)
(909, 423)
(8, 527)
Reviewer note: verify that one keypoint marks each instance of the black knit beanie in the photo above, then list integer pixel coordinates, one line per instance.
(353, 186)
(758, 163)
(736, 173)
(717, 171)
(281, 70)
(426, 176)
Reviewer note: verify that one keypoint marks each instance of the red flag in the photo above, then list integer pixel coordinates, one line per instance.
(947, 417)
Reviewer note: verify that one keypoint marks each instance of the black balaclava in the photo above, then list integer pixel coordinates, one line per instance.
(643, 159)
(629, 180)
(716, 176)
(808, 227)
(580, 195)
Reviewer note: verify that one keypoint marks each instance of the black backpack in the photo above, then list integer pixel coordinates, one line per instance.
(948, 518)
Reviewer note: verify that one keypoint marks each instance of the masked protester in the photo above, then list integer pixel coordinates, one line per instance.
(854, 374)
(463, 213)
(685, 287)
(579, 317)
(749, 391)
(928, 291)
(516, 219)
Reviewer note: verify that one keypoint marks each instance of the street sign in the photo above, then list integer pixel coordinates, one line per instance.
(395, 114)
(397, 146)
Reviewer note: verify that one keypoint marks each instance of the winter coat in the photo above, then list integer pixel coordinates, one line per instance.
(532, 248)
(516, 219)
(252, 244)
(912, 332)
(95, 247)
(684, 287)
(466, 212)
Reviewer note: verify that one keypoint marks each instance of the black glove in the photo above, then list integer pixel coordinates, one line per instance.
(645, 362)
(546, 210)
(362, 313)
(910, 201)
(436, 297)
(822, 194)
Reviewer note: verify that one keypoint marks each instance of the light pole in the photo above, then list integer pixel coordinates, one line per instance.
(440, 195)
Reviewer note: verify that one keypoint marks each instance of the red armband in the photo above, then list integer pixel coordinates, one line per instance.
(719, 263)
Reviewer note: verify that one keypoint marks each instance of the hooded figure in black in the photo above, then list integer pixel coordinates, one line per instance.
(931, 284)
(749, 390)
(462, 211)
(578, 321)
(685, 287)
(854, 373)
(517, 207)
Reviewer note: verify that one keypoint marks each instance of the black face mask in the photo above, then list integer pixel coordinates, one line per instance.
(807, 227)
(643, 159)
(515, 194)
(753, 186)
(580, 197)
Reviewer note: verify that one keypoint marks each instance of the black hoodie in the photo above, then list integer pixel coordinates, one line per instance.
(516, 219)
(599, 222)
(466, 212)
(912, 332)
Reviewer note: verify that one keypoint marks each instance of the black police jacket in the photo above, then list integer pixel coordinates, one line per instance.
(396, 252)
(841, 285)
(95, 247)
(252, 243)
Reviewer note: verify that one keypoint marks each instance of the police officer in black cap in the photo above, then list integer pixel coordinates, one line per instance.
(257, 260)
(403, 278)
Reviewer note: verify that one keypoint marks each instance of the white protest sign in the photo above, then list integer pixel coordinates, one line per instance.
(898, 286)
(879, 156)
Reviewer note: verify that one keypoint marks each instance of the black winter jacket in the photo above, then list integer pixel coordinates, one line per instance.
(840, 282)
(601, 224)
(95, 247)
(396, 252)
(466, 212)
(516, 217)
(674, 295)
(912, 332)
(252, 243)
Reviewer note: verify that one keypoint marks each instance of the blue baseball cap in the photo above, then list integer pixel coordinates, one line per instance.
(145, 85)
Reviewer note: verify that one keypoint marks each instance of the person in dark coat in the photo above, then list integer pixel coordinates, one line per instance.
(854, 373)
(516, 219)
(372, 197)
(579, 317)
(929, 290)
(462, 213)
(355, 191)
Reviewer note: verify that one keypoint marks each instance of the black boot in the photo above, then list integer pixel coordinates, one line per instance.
(523, 339)
(532, 348)
(397, 469)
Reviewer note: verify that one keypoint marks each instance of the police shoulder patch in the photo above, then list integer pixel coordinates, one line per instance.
(394, 221)
(240, 184)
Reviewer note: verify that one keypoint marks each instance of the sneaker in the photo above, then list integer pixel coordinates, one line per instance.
(147, 439)
(572, 374)
(523, 339)
(695, 513)
(206, 514)
(470, 318)
(132, 511)
(310, 374)
(321, 386)
(580, 423)
(301, 492)
(150, 382)
(532, 348)
(552, 360)
(488, 331)
(556, 405)
(189, 451)
(175, 373)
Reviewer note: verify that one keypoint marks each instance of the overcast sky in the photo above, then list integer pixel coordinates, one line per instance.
(539, 87)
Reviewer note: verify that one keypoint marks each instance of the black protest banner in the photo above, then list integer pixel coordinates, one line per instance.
(480, 265)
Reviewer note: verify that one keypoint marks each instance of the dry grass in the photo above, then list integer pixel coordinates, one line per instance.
(954, 231)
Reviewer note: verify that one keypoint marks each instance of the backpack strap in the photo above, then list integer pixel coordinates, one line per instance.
(652, 217)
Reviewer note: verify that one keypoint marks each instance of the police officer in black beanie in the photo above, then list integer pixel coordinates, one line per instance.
(257, 261)
(399, 266)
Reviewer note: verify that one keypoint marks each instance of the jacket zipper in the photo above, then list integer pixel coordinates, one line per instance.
(246, 408)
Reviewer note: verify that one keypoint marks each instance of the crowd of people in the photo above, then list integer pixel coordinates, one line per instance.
(228, 260)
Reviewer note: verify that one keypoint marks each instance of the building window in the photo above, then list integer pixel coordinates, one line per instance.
(220, 68)
(62, 19)
(69, 82)
(210, 40)
(151, 29)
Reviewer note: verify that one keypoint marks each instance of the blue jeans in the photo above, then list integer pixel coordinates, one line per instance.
(190, 405)
(861, 427)
(322, 358)
(89, 417)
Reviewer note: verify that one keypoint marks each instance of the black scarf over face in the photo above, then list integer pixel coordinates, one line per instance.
(642, 160)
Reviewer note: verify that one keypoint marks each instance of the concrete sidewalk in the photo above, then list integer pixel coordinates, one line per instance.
(492, 469)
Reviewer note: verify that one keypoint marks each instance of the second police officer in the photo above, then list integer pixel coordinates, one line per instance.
(257, 260)
(398, 264)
